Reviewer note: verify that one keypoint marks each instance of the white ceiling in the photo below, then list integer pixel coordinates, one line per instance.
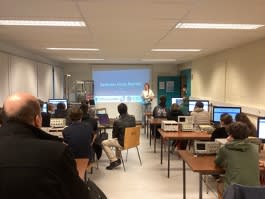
(125, 31)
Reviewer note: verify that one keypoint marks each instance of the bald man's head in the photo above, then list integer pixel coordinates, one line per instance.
(23, 107)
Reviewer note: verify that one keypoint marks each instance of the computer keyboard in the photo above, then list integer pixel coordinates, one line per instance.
(187, 127)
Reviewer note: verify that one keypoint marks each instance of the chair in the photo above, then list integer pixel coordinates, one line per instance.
(237, 191)
(131, 140)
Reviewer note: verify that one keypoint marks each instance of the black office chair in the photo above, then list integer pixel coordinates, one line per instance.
(237, 191)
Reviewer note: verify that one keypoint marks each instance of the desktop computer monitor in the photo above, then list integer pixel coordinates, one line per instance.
(219, 110)
(177, 100)
(57, 101)
(261, 128)
(193, 102)
(44, 107)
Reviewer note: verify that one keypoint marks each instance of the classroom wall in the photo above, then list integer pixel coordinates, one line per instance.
(235, 76)
(19, 74)
(84, 72)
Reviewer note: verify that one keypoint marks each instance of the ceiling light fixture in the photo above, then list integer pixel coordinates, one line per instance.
(85, 59)
(219, 26)
(175, 50)
(42, 23)
(159, 60)
(77, 49)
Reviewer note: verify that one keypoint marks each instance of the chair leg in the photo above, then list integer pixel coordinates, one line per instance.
(139, 156)
(122, 162)
(127, 155)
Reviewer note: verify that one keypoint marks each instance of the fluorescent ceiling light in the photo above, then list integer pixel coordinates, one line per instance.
(42, 23)
(85, 59)
(219, 26)
(78, 49)
(175, 50)
(159, 60)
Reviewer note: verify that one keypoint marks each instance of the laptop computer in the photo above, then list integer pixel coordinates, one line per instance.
(103, 119)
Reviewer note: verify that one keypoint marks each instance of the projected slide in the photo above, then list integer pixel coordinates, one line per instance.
(120, 85)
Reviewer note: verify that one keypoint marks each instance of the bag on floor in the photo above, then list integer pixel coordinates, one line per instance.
(97, 144)
(94, 191)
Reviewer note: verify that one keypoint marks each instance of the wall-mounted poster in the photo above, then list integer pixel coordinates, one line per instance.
(170, 86)
(161, 85)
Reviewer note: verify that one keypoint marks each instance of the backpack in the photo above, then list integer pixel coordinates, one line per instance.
(94, 191)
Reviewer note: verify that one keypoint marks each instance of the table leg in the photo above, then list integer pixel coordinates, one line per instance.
(200, 186)
(145, 124)
(184, 179)
(155, 139)
(150, 136)
(162, 146)
(168, 159)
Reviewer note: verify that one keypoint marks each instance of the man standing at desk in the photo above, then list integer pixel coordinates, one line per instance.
(32, 163)
(117, 141)
(239, 157)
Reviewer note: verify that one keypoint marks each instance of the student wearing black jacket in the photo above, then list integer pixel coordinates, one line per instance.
(34, 164)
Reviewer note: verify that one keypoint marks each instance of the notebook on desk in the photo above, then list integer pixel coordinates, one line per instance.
(103, 119)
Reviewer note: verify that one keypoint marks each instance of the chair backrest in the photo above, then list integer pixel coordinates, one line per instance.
(237, 191)
(131, 137)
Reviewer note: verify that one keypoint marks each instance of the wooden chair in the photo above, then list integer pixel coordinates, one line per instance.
(131, 140)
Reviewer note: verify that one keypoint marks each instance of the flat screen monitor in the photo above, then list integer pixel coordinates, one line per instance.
(261, 128)
(193, 102)
(177, 100)
(57, 101)
(219, 110)
(44, 107)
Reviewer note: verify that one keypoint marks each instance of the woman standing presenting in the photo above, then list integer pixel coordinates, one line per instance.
(147, 96)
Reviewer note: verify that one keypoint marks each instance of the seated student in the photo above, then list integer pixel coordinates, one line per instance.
(174, 112)
(1, 117)
(221, 132)
(173, 115)
(242, 117)
(32, 163)
(199, 116)
(239, 157)
(60, 112)
(184, 106)
(117, 141)
(46, 116)
(79, 135)
(160, 111)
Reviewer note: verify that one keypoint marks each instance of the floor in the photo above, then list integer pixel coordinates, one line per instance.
(148, 181)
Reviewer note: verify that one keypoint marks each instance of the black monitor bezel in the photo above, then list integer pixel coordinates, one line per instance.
(258, 119)
(224, 112)
(197, 101)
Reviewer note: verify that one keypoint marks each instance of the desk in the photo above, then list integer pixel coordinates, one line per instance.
(167, 135)
(155, 122)
(54, 131)
(204, 165)
(81, 165)
(147, 115)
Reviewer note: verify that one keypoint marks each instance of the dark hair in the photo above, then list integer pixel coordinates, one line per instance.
(1, 116)
(199, 104)
(242, 117)
(84, 108)
(163, 100)
(122, 108)
(174, 107)
(60, 106)
(238, 130)
(26, 113)
(226, 118)
(75, 114)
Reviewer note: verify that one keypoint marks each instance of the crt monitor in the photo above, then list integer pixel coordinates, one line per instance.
(177, 100)
(219, 110)
(261, 128)
(57, 101)
(193, 102)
